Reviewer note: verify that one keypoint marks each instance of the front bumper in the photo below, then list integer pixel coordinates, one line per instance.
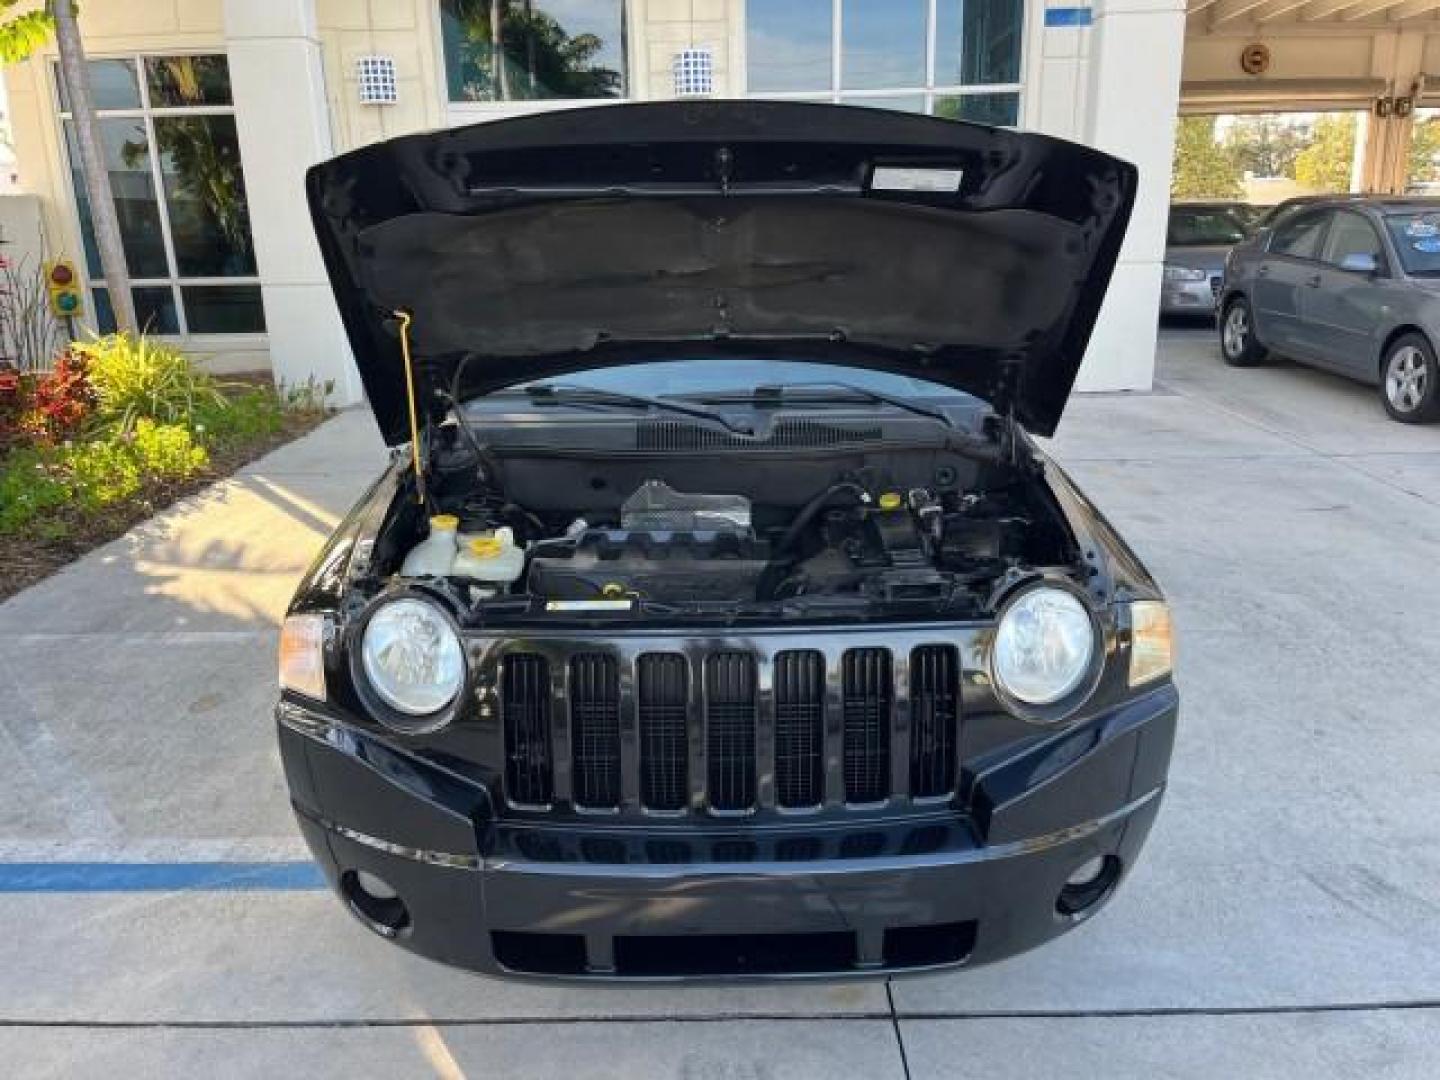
(587, 902)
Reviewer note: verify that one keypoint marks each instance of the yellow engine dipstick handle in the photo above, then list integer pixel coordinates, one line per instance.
(404, 317)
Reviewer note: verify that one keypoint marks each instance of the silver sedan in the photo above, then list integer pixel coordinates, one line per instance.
(1198, 236)
(1349, 285)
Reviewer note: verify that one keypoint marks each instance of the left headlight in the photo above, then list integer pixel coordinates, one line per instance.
(412, 657)
(1044, 646)
(1184, 273)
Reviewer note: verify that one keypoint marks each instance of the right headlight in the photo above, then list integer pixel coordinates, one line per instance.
(1152, 641)
(1044, 646)
(1184, 273)
(412, 657)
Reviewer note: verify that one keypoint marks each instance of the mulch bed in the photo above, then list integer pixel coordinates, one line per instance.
(24, 560)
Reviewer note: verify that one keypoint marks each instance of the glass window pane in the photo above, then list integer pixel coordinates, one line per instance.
(1351, 234)
(977, 41)
(223, 309)
(997, 110)
(882, 44)
(154, 310)
(205, 193)
(904, 103)
(1300, 236)
(787, 44)
(113, 85)
(127, 159)
(537, 49)
(178, 81)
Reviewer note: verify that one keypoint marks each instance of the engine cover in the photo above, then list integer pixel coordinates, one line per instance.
(658, 566)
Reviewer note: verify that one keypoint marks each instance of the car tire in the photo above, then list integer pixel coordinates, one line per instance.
(1238, 343)
(1410, 380)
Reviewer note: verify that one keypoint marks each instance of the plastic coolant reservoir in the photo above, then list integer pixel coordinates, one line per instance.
(435, 555)
(492, 557)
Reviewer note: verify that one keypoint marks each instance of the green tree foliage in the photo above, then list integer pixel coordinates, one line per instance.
(1203, 168)
(1326, 163)
(1265, 146)
(21, 35)
(1425, 152)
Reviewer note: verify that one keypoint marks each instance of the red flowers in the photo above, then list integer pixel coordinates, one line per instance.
(47, 409)
(64, 398)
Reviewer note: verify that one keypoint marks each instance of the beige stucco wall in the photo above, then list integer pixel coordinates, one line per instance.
(405, 30)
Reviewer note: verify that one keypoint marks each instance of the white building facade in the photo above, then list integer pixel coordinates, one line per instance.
(211, 110)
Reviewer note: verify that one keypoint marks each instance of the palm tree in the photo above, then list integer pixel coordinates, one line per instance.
(20, 36)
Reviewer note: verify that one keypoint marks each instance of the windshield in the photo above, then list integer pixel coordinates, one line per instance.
(1199, 226)
(718, 375)
(1417, 240)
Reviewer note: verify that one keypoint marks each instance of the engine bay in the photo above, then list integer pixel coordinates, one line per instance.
(928, 528)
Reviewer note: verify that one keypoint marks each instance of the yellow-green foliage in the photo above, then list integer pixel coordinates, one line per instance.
(92, 474)
(135, 377)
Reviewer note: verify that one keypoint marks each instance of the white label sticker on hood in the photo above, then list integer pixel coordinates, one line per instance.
(908, 178)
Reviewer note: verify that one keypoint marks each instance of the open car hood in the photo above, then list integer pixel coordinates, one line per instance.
(522, 249)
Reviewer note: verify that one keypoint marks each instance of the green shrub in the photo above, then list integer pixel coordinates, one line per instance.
(247, 416)
(93, 474)
(29, 486)
(135, 378)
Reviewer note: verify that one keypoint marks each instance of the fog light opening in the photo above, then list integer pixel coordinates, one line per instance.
(1088, 884)
(375, 902)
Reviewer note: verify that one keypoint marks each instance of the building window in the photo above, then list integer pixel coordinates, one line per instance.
(533, 50)
(167, 131)
(953, 58)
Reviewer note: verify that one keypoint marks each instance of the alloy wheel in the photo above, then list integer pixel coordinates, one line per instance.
(1405, 379)
(1237, 330)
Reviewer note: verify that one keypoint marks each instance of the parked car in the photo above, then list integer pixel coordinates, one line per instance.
(1347, 284)
(1270, 215)
(1197, 238)
(717, 614)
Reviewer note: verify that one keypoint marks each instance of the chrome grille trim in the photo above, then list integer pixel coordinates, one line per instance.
(772, 725)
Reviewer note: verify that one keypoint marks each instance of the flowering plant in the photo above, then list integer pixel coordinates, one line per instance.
(63, 398)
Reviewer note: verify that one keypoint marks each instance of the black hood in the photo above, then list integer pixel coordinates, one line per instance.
(969, 256)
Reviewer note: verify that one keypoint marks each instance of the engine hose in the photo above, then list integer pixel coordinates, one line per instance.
(812, 508)
(807, 514)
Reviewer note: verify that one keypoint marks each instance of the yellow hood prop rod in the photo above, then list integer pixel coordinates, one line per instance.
(404, 317)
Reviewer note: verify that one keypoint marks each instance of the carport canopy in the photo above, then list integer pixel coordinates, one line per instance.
(1319, 56)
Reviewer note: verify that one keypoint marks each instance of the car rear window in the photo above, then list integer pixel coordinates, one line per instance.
(1417, 241)
(1198, 227)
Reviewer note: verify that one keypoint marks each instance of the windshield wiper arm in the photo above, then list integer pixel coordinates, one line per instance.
(859, 393)
(586, 395)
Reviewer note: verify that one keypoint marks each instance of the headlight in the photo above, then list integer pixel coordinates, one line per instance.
(302, 655)
(1043, 646)
(412, 657)
(1184, 273)
(1152, 641)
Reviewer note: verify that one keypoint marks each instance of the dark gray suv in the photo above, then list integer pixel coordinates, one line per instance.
(1349, 285)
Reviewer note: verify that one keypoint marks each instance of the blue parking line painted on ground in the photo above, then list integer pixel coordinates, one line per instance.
(103, 877)
(1067, 16)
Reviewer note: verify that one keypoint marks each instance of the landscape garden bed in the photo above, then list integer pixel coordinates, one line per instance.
(121, 428)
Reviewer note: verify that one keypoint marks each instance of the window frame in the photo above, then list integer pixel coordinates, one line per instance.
(241, 340)
(1323, 214)
(1382, 254)
(837, 95)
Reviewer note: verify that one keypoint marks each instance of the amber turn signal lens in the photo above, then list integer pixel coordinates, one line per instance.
(1152, 641)
(302, 655)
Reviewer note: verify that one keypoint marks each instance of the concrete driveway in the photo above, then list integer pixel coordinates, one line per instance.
(1285, 920)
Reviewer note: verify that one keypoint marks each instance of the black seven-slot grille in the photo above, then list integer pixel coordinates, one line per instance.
(709, 739)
